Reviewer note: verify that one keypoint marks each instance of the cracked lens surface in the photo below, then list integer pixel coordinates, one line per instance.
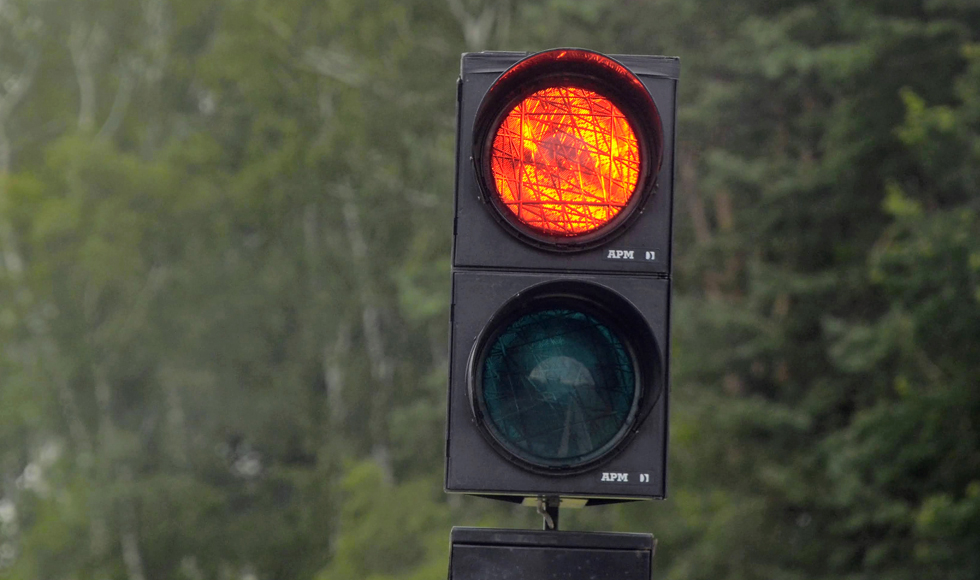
(565, 161)
(557, 387)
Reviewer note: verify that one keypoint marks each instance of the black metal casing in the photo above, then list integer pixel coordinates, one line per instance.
(487, 554)
(491, 267)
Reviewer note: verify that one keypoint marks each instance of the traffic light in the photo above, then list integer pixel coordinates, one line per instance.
(559, 344)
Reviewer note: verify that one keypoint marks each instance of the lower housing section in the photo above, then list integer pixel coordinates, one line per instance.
(548, 398)
(488, 554)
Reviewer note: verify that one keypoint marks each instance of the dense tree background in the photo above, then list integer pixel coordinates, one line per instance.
(224, 255)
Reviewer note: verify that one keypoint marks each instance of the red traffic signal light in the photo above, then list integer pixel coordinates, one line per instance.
(565, 161)
(561, 276)
(567, 145)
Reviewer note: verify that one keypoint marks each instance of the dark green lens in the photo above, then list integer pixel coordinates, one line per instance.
(558, 387)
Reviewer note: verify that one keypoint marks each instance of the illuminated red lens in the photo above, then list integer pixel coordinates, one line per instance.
(565, 161)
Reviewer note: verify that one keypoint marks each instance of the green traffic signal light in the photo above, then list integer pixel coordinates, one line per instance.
(558, 387)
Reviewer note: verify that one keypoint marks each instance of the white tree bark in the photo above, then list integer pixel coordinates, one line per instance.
(333, 373)
(85, 44)
(381, 367)
(16, 88)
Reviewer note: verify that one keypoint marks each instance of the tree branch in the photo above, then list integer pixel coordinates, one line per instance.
(18, 88)
(127, 82)
(129, 536)
(476, 29)
(695, 205)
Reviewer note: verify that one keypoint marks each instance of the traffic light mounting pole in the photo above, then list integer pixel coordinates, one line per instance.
(548, 510)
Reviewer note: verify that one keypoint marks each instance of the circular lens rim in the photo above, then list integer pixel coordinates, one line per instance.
(608, 308)
(583, 69)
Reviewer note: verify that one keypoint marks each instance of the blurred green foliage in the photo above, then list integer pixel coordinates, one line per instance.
(224, 255)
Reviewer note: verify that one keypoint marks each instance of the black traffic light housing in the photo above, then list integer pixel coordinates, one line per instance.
(617, 280)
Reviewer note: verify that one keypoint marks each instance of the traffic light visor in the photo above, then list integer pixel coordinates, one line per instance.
(567, 147)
